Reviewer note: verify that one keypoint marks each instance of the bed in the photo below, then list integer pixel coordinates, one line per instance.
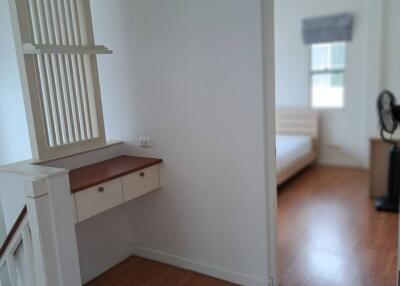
(296, 141)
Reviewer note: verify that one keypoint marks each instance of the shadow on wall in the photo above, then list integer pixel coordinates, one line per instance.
(14, 136)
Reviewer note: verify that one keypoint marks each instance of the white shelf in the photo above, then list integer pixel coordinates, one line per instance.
(32, 49)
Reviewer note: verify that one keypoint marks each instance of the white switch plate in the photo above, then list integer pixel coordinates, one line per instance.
(145, 142)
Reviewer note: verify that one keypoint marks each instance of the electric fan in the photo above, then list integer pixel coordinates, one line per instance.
(389, 116)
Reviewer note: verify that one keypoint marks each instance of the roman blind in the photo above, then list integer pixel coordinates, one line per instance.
(328, 29)
(58, 67)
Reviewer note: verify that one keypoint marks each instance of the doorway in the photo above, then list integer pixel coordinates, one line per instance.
(329, 232)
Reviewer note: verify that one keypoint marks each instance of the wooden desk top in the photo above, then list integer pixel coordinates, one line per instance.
(89, 176)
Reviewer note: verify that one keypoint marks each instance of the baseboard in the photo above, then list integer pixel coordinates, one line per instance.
(182, 262)
(206, 269)
(337, 157)
(106, 264)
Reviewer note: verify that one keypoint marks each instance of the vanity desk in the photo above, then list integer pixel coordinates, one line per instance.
(107, 184)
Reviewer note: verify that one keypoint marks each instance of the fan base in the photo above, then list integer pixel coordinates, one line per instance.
(386, 205)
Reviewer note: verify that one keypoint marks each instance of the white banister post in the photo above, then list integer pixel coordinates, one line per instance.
(62, 207)
(50, 214)
(40, 223)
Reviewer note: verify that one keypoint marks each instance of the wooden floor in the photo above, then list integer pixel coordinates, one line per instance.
(330, 234)
(138, 271)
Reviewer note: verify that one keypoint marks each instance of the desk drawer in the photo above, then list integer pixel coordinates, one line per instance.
(97, 199)
(140, 183)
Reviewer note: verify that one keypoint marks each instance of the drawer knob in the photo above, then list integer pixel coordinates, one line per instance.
(141, 174)
(101, 189)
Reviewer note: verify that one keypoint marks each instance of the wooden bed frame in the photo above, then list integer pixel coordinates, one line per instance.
(298, 122)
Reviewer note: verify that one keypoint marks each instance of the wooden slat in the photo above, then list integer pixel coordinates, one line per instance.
(76, 77)
(78, 97)
(50, 63)
(83, 40)
(80, 12)
(92, 73)
(59, 91)
(297, 121)
(60, 101)
(45, 87)
(85, 97)
(35, 33)
(67, 42)
(13, 230)
(64, 41)
(34, 26)
(77, 42)
(82, 72)
(61, 72)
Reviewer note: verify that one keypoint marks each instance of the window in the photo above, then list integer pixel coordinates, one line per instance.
(328, 62)
(58, 66)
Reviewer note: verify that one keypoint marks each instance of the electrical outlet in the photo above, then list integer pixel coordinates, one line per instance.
(145, 142)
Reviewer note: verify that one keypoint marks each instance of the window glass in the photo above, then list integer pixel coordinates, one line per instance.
(328, 63)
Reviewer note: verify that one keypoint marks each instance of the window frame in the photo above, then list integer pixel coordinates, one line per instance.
(31, 80)
(327, 71)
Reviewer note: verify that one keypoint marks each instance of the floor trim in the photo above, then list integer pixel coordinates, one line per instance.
(206, 269)
(181, 262)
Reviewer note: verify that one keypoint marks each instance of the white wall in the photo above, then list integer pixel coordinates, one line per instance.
(188, 75)
(371, 67)
(14, 137)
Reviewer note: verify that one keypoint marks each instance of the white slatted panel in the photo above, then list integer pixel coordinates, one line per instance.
(60, 68)
(297, 121)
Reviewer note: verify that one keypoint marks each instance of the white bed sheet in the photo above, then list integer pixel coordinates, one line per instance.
(291, 148)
